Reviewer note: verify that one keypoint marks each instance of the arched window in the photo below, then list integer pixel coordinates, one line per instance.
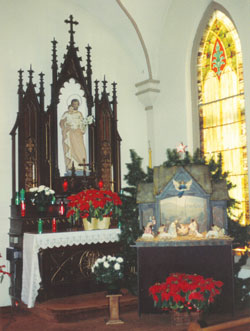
(221, 104)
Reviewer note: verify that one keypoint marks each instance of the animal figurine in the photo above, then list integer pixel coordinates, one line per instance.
(215, 232)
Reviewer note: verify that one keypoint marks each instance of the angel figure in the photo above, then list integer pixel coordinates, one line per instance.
(181, 186)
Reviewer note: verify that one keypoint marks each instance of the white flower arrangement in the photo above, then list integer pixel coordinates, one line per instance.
(108, 269)
(42, 195)
(89, 120)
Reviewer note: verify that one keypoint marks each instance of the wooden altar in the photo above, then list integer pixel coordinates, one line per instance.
(39, 152)
(209, 258)
(68, 254)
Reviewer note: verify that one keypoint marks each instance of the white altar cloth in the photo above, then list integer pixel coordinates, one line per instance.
(33, 242)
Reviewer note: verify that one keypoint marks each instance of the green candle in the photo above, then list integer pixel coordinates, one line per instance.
(22, 194)
(40, 226)
(53, 200)
(17, 199)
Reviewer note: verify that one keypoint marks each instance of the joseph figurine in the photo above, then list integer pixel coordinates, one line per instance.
(73, 129)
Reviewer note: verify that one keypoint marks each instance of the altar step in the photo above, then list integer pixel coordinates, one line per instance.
(82, 307)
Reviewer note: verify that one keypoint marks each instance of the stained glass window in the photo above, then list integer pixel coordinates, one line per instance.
(221, 104)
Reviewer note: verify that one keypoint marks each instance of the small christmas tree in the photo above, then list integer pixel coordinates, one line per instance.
(129, 221)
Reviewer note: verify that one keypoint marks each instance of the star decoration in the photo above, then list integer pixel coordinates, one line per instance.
(181, 148)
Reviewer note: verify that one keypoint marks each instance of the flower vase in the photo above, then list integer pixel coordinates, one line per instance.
(113, 288)
(41, 210)
(104, 223)
(93, 225)
(96, 224)
(181, 320)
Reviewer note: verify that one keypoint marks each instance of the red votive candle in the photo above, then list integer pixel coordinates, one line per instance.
(54, 225)
(65, 185)
(23, 207)
(61, 208)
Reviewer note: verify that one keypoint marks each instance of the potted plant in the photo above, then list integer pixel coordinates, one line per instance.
(109, 270)
(42, 197)
(185, 294)
(92, 206)
(3, 272)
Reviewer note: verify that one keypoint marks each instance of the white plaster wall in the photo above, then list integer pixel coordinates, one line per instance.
(171, 108)
(150, 17)
(27, 28)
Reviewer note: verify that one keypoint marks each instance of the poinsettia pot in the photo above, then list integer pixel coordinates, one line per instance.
(96, 224)
(181, 320)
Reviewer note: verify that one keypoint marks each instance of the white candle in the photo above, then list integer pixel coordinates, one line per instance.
(33, 172)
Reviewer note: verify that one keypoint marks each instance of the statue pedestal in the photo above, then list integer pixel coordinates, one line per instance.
(114, 309)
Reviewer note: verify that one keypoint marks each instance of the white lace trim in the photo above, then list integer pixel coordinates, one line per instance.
(33, 242)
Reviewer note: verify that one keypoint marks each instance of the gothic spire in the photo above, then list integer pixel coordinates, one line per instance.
(114, 92)
(20, 90)
(54, 68)
(104, 83)
(89, 70)
(41, 83)
(30, 71)
(54, 55)
(96, 89)
(41, 92)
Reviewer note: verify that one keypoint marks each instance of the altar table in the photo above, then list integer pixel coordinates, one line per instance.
(32, 243)
(209, 258)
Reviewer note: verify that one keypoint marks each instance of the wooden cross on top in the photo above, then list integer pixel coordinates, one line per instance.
(71, 22)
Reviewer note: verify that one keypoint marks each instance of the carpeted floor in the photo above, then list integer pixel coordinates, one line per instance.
(91, 313)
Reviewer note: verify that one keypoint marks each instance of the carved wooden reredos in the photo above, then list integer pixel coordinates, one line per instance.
(37, 129)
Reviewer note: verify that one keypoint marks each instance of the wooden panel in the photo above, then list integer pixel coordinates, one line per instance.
(67, 270)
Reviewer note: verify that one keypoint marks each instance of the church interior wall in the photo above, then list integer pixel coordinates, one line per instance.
(171, 36)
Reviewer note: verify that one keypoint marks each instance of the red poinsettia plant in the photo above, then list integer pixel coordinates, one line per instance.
(94, 203)
(184, 292)
(3, 272)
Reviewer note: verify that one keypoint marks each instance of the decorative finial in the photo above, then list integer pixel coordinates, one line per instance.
(41, 92)
(54, 56)
(41, 83)
(114, 91)
(41, 78)
(30, 71)
(20, 86)
(88, 48)
(71, 22)
(104, 83)
(96, 89)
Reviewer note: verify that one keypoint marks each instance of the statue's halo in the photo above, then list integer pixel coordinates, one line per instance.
(74, 96)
